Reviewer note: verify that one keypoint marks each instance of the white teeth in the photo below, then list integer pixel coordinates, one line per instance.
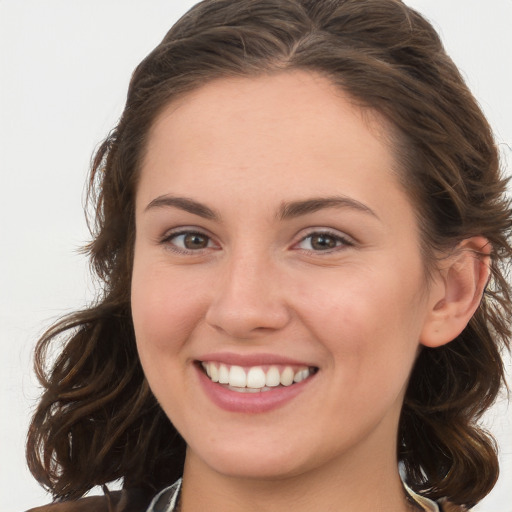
(237, 377)
(300, 376)
(244, 390)
(223, 374)
(254, 379)
(214, 373)
(287, 376)
(273, 377)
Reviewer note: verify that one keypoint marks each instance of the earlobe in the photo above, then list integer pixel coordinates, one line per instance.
(457, 291)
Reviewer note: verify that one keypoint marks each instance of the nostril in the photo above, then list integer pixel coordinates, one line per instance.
(246, 321)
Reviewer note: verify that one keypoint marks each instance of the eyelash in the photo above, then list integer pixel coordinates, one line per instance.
(340, 242)
(168, 241)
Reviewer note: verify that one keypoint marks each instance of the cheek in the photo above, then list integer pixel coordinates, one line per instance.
(369, 321)
(164, 312)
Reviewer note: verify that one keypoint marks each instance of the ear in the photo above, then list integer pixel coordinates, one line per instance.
(457, 291)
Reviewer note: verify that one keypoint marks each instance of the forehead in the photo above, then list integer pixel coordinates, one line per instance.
(286, 97)
(278, 110)
(273, 137)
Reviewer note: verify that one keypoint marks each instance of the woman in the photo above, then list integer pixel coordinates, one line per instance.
(302, 233)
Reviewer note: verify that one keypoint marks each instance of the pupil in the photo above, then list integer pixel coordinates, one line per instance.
(195, 241)
(323, 242)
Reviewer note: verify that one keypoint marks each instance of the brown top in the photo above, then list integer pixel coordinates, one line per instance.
(127, 500)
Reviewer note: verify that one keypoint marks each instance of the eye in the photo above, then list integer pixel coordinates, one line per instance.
(188, 241)
(323, 242)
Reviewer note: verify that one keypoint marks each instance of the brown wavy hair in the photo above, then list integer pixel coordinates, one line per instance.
(98, 421)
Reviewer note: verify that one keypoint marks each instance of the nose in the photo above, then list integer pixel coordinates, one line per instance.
(248, 300)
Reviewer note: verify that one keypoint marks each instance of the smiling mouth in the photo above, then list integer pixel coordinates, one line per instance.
(255, 379)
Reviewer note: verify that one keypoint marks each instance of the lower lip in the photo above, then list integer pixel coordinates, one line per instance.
(250, 403)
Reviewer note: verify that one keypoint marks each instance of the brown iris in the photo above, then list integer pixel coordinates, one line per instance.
(323, 242)
(195, 241)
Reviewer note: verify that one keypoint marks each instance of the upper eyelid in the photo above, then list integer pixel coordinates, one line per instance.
(183, 230)
(326, 231)
(301, 236)
(167, 242)
(346, 242)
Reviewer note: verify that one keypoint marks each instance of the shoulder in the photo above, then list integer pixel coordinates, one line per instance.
(132, 500)
(99, 503)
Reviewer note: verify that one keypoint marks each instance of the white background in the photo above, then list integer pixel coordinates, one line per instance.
(64, 70)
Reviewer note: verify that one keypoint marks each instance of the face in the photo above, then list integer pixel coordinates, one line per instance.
(278, 289)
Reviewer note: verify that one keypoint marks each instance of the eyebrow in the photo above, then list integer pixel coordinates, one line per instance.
(298, 208)
(287, 210)
(183, 203)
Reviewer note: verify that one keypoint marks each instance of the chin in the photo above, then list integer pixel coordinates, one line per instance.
(257, 464)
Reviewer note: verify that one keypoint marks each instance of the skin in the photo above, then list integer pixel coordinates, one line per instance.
(258, 284)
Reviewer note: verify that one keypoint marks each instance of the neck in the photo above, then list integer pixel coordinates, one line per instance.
(370, 487)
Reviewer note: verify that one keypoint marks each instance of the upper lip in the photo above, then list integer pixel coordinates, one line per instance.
(231, 358)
